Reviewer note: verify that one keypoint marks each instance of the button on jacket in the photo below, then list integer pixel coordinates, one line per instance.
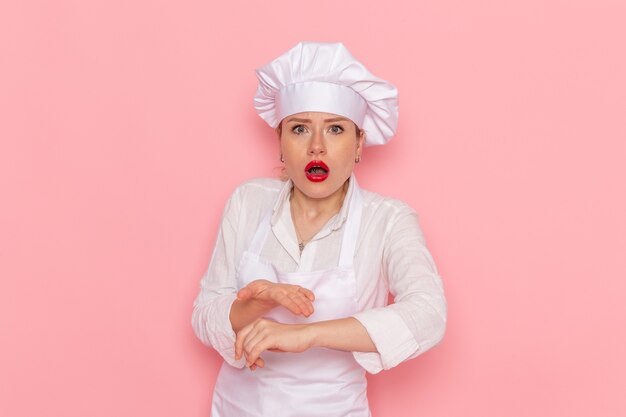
(391, 257)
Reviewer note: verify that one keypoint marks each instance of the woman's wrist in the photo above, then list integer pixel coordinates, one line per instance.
(313, 335)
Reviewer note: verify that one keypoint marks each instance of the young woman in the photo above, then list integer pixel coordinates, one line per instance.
(295, 296)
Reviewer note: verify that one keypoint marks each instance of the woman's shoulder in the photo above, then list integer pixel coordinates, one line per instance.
(392, 216)
(262, 185)
(383, 204)
(258, 190)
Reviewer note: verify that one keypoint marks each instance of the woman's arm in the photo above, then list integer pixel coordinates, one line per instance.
(210, 318)
(416, 321)
(345, 334)
(219, 310)
(260, 296)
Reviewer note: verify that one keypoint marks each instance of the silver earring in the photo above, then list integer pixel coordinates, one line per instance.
(357, 159)
(281, 158)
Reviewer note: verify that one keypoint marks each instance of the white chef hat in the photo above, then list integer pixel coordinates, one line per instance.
(325, 77)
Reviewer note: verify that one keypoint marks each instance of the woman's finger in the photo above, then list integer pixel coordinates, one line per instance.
(286, 301)
(307, 293)
(260, 363)
(244, 293)
(303, 303)
(307, 298)
(258, 346)
(253, 340)
(240, 338)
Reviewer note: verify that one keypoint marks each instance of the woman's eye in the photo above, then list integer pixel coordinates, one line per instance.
(298, 129)
(336, 129)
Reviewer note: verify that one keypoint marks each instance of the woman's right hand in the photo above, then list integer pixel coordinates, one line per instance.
(294, 298)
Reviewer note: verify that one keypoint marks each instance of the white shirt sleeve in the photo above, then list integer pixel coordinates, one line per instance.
(218, 290)
(417, 319)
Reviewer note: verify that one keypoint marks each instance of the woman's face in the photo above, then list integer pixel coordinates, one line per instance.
(319, 150)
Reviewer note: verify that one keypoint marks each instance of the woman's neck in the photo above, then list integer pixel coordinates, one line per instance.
(308, 207)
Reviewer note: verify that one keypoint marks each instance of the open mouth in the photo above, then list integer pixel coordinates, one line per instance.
(316, 171)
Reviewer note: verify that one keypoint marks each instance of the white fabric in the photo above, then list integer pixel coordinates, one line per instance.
(325, 77)
(323, 96)
(390, 256)
(319, 382)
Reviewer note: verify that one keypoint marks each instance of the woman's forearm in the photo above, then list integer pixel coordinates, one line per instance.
(346, 334)
(244, 312)
(342, 334)
(260, 296)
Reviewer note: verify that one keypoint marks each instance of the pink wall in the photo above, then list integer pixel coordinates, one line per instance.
(124, 125)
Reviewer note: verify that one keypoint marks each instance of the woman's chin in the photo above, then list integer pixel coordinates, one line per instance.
(318, 189)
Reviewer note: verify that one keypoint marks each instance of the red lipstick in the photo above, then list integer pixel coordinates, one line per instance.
(316, 171)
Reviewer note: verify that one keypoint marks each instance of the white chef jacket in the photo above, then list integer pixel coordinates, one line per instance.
(391, 256)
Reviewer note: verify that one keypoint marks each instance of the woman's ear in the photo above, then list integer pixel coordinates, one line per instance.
(360, 141)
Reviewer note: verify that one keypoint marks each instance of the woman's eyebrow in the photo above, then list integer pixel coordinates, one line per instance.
(296, 119)
(336, 119)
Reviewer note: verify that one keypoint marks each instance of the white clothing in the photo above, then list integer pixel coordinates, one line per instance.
(318, 382)
(391, 256)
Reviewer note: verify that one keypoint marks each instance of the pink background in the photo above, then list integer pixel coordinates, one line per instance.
(124, 126)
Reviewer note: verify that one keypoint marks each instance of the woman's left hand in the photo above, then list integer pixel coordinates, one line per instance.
(263, 334)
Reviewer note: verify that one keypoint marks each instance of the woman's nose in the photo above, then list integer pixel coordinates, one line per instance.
(316, 146)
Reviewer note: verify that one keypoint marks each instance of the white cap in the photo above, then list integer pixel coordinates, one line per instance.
(325, 77)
